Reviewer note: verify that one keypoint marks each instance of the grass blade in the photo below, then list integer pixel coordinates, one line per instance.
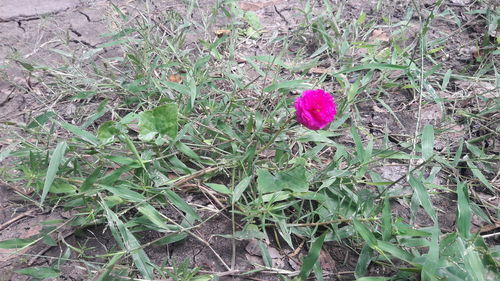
(477, 173)
(16, 243)
(365, 257)
(102, 276)
(39, 272)
(386, 220)
(180, 203)
(154, 216)
(90, 180)
(365, 233)
(294, 84)
(423, 197)
(128, 242)
(54, 163)
(311, 258)
(84, 135)
(369, 66)
(464, 211)
(395, 251)
(427, 142)
(240, 188)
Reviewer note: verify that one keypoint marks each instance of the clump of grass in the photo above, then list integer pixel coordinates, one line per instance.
(190, 117)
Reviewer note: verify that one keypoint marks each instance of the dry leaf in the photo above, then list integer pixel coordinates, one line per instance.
(378, 109)
(253, 248)
(245, 6)
(326, 261)
(176, 78)
(255, 6)
(222, 32)
(277, 258)
(294, 264)
(490, 227)
(431, 112)
(379, 35)
(240, 59)
(254, 259)
(318, 70)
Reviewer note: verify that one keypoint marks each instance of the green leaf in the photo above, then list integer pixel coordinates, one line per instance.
(361, 19)
(423, 197)
(240, 188)
(112, 177)
(154, 216)
(62, 187)
(177, 87)
(125, 193)
(446, 80)
(103, 275)
(395, 251)
(202, 278)
(161, 121)
(101, 110)
(186, 150)
(55, 161)
(16, 243)
(431, 264)
(266, 257)
(360, 151)
(458, 154)
(61, 52)
(428, 142)
(172, 238)
(179, 166)
(312, 258)
(317, 137)
(84, 135)
(293, 180)
(28, 66)
(245, 234)
(266, 182)
(253, 20)
(107, 131)
(268, 59)
(41, 119)
(180, 203)
(464, 211)
(90, 180)
(47, 240)
(477, 173)
(386, 220)
(128, 242)
(403, 229)
(369, 66)
(39, 272)
(373, 279)
(193, 91)
(294, 84)
(365, 233)
(219, 188)
(364, 260)
(473, 264)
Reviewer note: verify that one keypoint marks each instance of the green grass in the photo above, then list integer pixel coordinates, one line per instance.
(228, 132)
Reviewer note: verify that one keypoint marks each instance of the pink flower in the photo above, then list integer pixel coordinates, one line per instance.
(315, 109)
